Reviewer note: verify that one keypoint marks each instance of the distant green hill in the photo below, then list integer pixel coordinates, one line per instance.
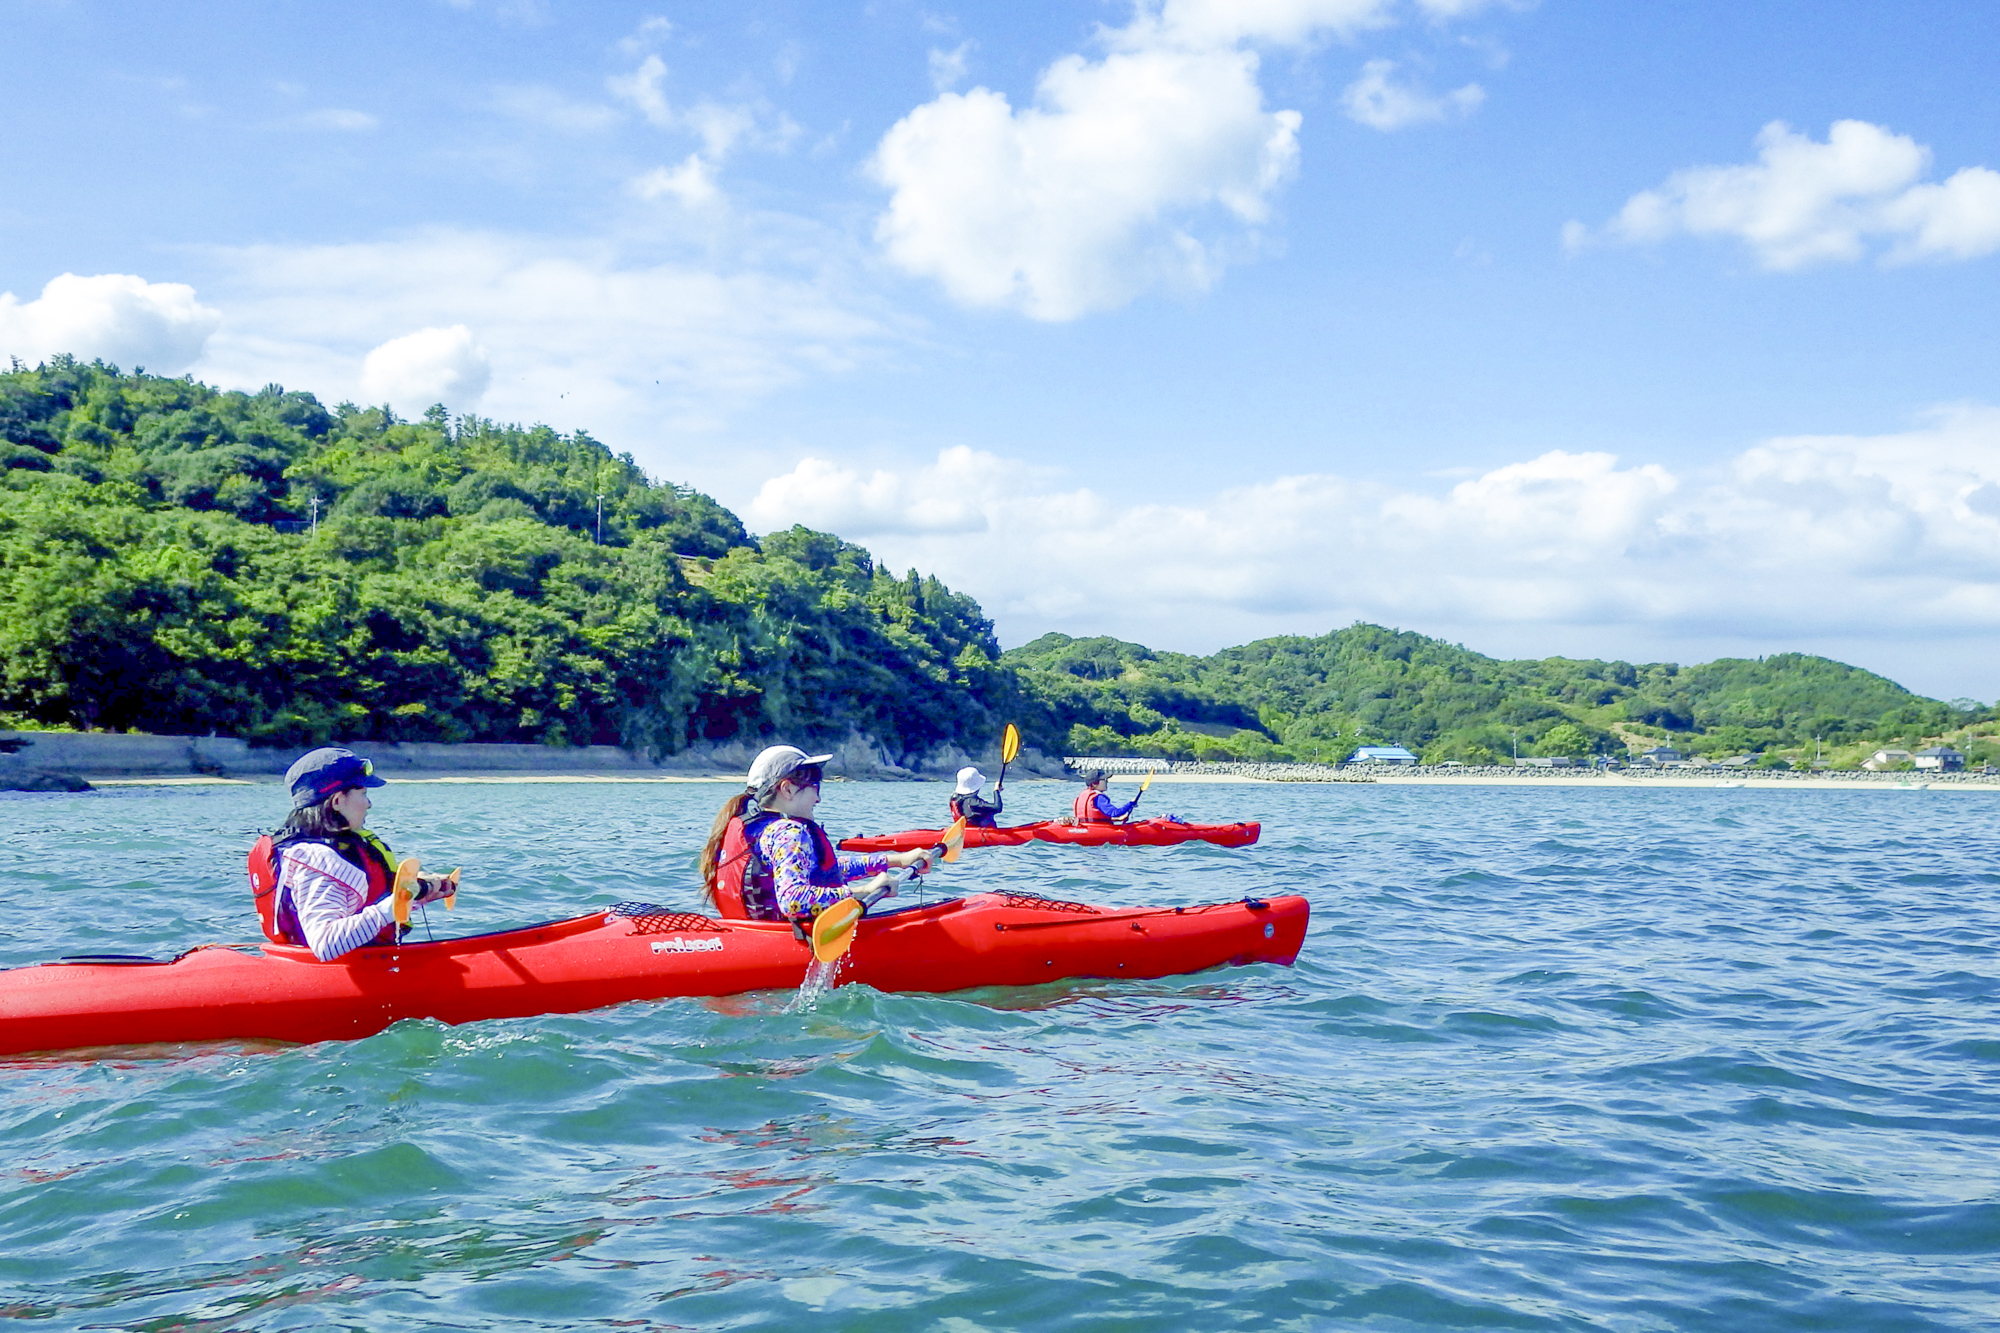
(1301, 697)
(175, 558)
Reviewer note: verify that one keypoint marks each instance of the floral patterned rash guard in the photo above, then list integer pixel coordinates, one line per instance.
(787, 848)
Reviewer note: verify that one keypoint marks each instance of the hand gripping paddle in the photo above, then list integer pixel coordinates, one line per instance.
(401, 892)
(405, 886)
(833, 929)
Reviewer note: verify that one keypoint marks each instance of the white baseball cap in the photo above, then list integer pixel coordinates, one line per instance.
(771, 767)
(970, 780)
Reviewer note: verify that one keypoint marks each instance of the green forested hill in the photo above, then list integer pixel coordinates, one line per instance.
(1368, 685)
(176, 559)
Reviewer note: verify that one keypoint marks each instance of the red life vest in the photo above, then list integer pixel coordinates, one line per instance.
(1085, 811)
(975, 810)
(745, 888)
(274, 910)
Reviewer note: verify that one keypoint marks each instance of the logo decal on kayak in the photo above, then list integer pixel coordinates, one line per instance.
(679, 945)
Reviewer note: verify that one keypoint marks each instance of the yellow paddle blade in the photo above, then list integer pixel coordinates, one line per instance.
(1010, 743)
(833, 929)
(954, 839)
(399, 893)
(1147, 783)
(451, 894)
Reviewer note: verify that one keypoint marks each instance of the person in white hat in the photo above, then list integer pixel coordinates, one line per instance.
(767, 859)
(969, 805)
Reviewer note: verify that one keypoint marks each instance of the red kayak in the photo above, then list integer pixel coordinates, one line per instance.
(634, 951)
(1138, 833)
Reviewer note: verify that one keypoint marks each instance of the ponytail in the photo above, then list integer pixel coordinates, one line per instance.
(711, 852)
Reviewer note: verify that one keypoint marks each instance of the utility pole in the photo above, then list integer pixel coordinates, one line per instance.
(314, 501)
(600, 518)
(1517, 749)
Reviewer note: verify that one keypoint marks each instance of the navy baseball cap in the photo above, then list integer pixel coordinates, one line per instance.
(325, 772)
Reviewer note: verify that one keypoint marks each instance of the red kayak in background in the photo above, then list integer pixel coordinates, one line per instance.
(1138, 833)
(634, 951)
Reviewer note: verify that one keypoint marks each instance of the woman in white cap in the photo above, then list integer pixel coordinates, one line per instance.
(767, 860)
(969, 805)
(324, 880)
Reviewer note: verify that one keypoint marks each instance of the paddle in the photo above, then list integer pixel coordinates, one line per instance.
(1010, 746)
(1142, 791)
(400, 892)
(833, 929)
(953, 840)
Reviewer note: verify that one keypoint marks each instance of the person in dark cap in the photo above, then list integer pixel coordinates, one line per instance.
(323, 881)
(767, 859)
(1092, 806)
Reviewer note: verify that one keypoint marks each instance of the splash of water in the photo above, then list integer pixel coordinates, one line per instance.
(819, 980)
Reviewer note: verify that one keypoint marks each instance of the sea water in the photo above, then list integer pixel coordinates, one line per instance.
(1551, 1059)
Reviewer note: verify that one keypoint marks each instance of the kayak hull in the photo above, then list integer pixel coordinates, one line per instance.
(632, 952)
(1139, 833)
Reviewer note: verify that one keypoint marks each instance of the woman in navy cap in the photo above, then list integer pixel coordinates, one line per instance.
(324, 880)
(768, 860)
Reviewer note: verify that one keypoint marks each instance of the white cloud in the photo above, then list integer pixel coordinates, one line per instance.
(645, 89)
(1148, 167)
(1378, 101)
(651, 31)
(720, 127)
(1793, 541)
(649, 356)
(120, 318)
(1074, 204)
(948, 67)
(1804, 202)
(441, 365)
(692, 183)
(824, 495)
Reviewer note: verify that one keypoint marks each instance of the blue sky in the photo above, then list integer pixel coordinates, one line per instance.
(1621, 330)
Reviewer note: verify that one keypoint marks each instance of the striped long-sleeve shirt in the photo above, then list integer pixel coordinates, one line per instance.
(326, 891)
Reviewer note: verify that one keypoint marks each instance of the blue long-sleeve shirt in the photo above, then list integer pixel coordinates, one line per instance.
(1110, 810)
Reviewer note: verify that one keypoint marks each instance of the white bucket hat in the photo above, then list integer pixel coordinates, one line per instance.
(970, 780)
(772, 766)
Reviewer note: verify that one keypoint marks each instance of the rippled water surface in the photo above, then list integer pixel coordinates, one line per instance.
(1551, 1059)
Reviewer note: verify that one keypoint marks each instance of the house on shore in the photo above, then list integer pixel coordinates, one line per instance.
(1381, 754)
(1659, 757)
(1939, 758)
(1883, 760)
(1545, 761)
